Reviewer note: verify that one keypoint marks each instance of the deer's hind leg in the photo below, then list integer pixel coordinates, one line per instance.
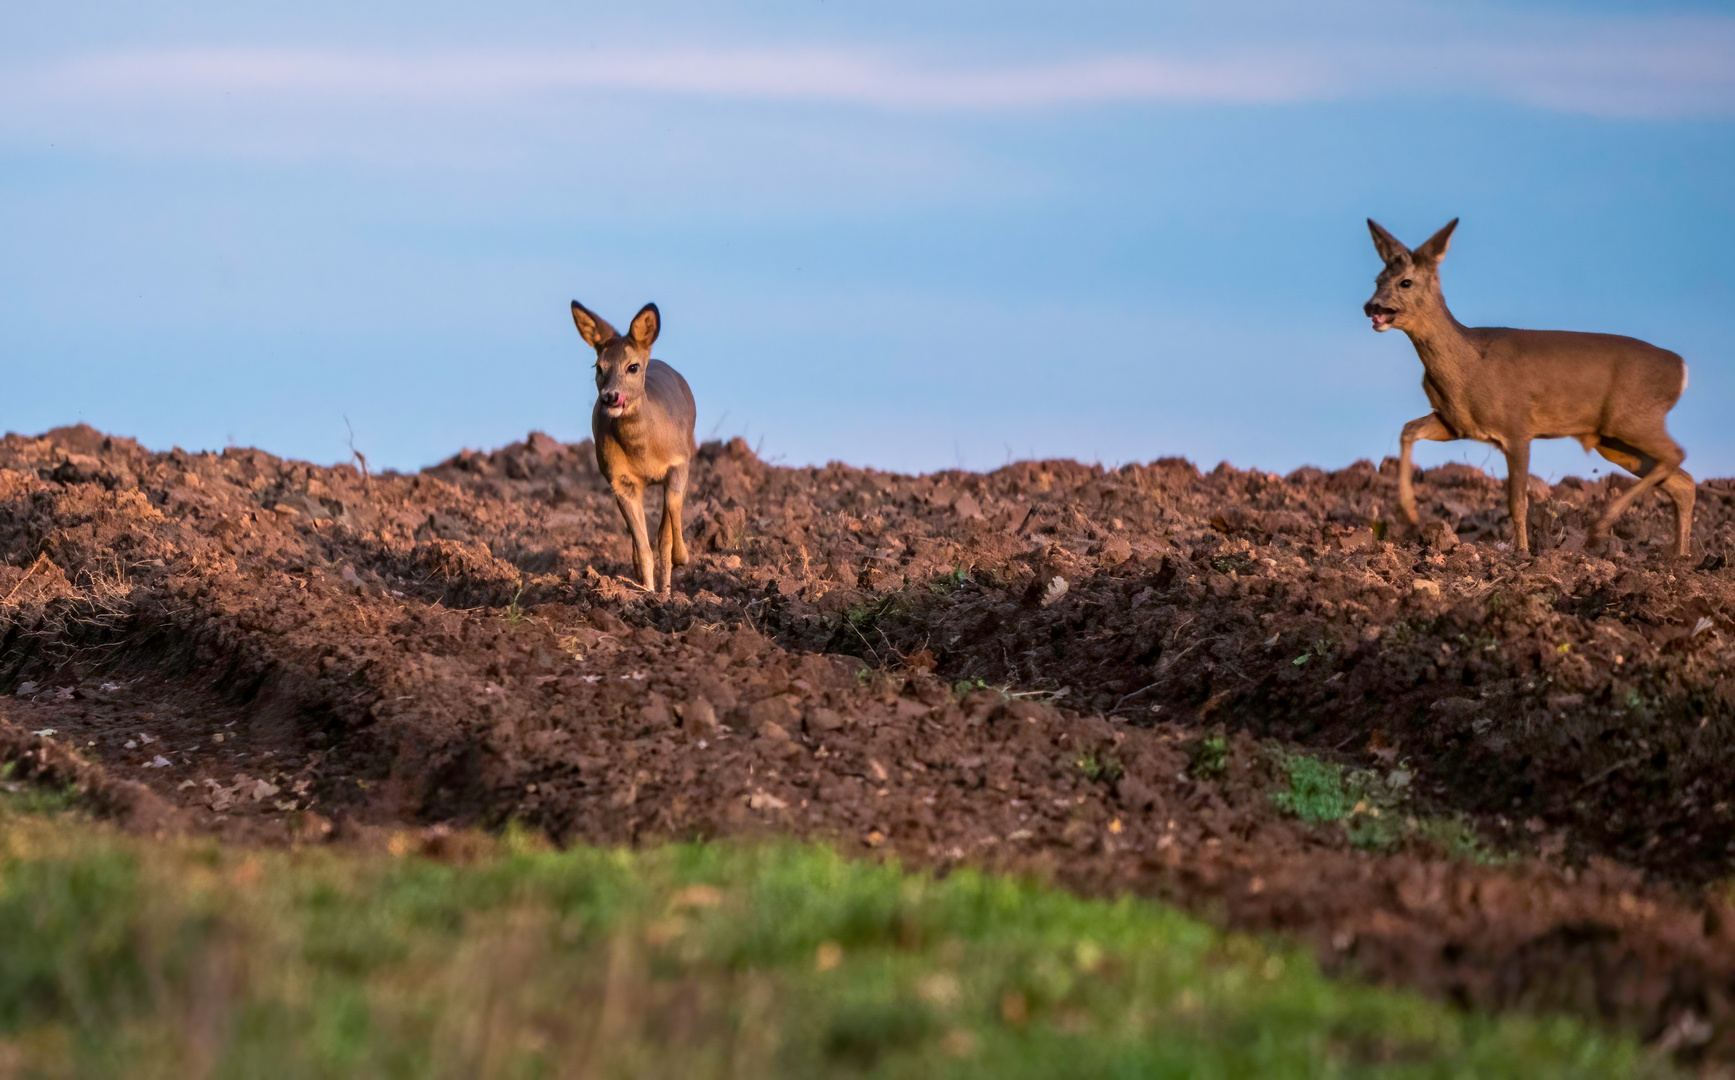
(1431, 428)
(1659, 465)
(1682, 490)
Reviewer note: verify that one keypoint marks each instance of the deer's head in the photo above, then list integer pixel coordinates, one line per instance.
(621, 362)
(1409, 286)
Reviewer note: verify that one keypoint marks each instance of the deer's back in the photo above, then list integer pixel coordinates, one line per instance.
(1573, 382)
(670, 395)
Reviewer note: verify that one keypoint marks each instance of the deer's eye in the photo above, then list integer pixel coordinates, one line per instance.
(1406, 283)
(632, 369)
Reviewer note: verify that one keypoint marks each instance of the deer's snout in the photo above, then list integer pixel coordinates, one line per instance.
(1379, 313)
(612, 399)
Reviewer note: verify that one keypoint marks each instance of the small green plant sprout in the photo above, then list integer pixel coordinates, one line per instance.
(1238, 562)
(1453, 836)
(856, 633)
(947, 584)
(963, 688)
(1316, 791)
(1302, 659)
(1209, 759)
(1099, 766)
(514, 612)
(1372, 807)
(863, 617)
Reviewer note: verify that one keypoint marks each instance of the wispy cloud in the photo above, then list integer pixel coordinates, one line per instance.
(1666, 68)
(802, 74)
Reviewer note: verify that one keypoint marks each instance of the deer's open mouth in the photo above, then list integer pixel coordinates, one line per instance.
(1382, 319)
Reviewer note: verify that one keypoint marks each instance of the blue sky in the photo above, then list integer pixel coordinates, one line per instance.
(913, 237)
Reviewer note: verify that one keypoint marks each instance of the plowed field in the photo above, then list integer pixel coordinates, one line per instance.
(1107, 677)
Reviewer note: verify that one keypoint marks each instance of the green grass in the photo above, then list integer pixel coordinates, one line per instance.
(136, 958)
(33, 798)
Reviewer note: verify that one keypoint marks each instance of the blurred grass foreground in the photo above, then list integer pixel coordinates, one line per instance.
(128, 957)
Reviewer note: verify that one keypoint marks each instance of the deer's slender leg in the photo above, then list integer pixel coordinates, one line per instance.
(1681, 488)
(1518, 493)
(1656, 465)
(629, 496)
(1431, 428)
(675, 494)
(670, 550)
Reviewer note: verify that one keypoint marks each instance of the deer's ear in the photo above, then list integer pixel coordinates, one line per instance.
(1435, 249)
(647, 324)
(593, 328)
(1386, 244)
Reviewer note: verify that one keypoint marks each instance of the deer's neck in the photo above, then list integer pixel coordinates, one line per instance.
(1445, 349)
(630, 429)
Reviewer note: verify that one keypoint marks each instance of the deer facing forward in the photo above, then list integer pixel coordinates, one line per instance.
(642, 425)
(1507, 387)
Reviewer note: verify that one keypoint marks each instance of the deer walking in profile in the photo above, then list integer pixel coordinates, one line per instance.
(642, 425)
(1506, 387)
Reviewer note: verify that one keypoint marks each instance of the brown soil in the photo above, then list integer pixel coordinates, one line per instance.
(1014, 670)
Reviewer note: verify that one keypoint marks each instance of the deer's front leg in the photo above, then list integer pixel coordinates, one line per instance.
(670, 550)
(629, 496)
(1431, 428)
(675, 491)
(1518, 494)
